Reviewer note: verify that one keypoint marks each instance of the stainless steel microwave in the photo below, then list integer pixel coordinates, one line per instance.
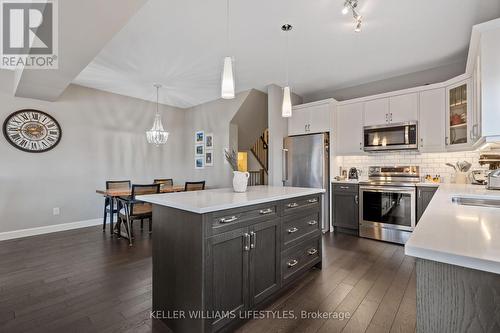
(400, 136)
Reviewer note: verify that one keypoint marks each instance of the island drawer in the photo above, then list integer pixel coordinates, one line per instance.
(297, 258)
(298, 204)
(299, 228)
(226, 220)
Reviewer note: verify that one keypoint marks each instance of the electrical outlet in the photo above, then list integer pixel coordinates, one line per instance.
(56, 211)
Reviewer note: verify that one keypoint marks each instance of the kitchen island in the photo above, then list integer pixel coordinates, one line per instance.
(219, 254)
(458, 262)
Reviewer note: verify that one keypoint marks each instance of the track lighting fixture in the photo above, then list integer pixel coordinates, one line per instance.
(352, 5)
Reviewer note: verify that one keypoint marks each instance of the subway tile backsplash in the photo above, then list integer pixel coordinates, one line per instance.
(430, 163)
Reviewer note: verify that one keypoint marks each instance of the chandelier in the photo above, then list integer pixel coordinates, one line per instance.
(157, 135)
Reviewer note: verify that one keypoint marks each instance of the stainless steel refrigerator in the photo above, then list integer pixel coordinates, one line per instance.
(306, 163)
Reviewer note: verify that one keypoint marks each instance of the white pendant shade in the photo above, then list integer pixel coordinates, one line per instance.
(286, 108)
(227, 87)
(157, 135)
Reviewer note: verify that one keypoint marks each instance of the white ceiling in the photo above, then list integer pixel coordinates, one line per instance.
(181, 44)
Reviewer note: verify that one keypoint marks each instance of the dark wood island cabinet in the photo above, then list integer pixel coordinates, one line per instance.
(211, 268)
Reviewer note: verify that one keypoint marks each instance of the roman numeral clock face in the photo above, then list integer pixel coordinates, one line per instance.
(32, 131)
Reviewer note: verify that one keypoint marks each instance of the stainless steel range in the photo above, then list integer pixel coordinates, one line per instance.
(387, 203)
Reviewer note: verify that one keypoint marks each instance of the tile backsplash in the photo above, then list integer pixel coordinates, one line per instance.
(429, 163)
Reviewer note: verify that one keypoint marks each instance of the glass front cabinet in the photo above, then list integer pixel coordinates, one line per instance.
(459, 117)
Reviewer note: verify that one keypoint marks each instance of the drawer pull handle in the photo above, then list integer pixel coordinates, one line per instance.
(265, 211)
(292, 205)
(292, 263)
(313, 200)
(292, 230)
(312, 251)
(228, 219)
(312, 222)
(344, 187)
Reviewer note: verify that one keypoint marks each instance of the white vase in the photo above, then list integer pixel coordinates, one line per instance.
(460, 177)
(240, 181)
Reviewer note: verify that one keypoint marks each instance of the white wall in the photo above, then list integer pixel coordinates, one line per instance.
(103, 137)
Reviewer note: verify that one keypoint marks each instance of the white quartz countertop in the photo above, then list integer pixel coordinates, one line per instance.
(207, 201)
(467, 236)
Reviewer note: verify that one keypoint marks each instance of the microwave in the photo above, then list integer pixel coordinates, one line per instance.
(400, 136)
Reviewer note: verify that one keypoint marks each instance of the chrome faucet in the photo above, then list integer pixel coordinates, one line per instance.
(494, 180)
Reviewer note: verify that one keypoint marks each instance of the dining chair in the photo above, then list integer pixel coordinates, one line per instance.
(134, 209)
(112, 185)
(168, 182)
(194, 186)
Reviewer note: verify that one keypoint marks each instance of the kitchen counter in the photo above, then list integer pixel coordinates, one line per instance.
(466, 236)
(207, 201)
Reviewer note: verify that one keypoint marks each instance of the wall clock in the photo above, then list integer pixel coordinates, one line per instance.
(32, 131)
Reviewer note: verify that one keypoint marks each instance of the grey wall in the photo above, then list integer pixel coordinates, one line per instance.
(103, 138)
(278, 129)
(211, 117)
(251, 119)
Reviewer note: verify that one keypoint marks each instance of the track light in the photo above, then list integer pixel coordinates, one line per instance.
(353, 4)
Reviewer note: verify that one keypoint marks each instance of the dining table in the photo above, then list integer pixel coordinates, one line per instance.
(115, 193)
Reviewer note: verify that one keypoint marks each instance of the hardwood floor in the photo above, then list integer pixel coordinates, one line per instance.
(81, 281)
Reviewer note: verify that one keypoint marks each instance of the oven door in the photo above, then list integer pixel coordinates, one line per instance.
(390, 137)
(388, 207)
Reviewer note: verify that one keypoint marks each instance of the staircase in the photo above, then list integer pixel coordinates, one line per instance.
(261, 152)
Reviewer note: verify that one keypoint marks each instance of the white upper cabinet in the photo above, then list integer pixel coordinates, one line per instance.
(459, 115)
(349, 129)
(403, 108)
(311, 118)
(377, 112)
(490, 83)
(432, 120)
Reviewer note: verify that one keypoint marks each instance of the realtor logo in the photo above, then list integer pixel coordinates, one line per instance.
(29, 34)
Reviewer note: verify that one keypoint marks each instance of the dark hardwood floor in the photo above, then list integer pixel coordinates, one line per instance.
(81, 281)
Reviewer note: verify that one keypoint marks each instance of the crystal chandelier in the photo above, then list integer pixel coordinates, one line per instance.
(157, 135)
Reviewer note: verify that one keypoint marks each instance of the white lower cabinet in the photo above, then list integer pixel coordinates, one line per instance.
(349, 129)
(432, 120)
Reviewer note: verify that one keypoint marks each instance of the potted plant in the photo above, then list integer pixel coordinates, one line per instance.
(240, 179)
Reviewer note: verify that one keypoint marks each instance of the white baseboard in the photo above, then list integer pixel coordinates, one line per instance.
(48, 229)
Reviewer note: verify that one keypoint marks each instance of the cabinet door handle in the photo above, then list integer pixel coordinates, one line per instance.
(228, 219)
(312, 222)
(419, 194)
(265, 211)
(421, 142)
(356, 199)
(446, 141)
(292, 263)
(314, 200)
(361, 146)
(253, 237)
(246, 246)
(312, 251)
(292, 230)
(292, 205)
(305, 128)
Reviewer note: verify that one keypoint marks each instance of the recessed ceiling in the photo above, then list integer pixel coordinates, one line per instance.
(181, 44)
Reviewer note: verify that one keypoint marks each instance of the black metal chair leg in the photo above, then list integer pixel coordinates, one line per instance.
(105, 215)
(142, 224)
(150, 225)
(119, 227)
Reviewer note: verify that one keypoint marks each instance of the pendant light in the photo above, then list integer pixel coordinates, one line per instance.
(286, 107)
(227, 84)
(157, 135)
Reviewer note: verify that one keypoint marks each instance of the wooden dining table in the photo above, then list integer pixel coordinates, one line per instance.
(112, 194)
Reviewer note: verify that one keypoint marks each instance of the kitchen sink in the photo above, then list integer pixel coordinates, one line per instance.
(493, 202)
